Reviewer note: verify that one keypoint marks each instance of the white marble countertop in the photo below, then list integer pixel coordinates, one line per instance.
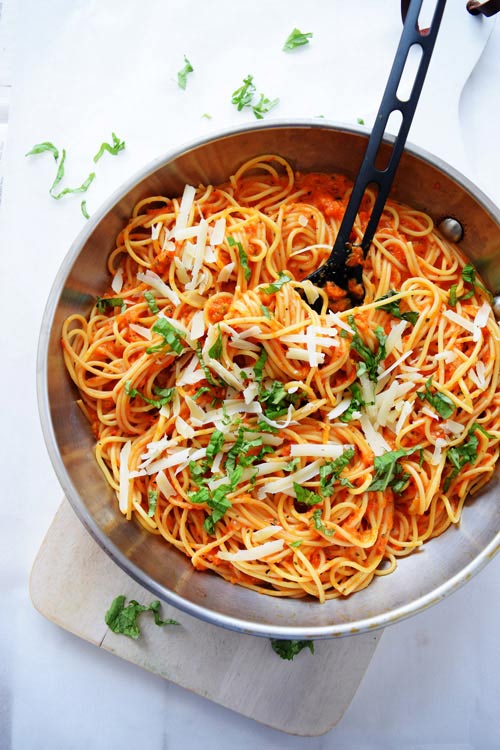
(74, 72)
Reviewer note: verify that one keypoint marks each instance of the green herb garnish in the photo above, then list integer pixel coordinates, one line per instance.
(40, 148)
(388, 472)
(83, 207)
(305, 496)
(465, 453)
(59, 176)
(394, 308)
(215, 444)
(319, 525)
(441, 403)
(242, 256)
(258, 367)
(151, 300)
(243, 96)
(263, 106)
(215, 351)
(357, 402)
(166, 395)
(183, 73)
(266, 312)
(103, 302)
(330, 472)
(123, 619)
(152, 502)
(112, 148)
(276, 285)
(370, 360)
(296, 39)
(172, 337)
(288, 649)
(469, 277)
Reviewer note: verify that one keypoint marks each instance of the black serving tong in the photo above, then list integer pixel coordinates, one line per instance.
(344, 266)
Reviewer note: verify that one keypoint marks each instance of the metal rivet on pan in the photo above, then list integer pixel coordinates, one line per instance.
(496, 306)
(451, 229)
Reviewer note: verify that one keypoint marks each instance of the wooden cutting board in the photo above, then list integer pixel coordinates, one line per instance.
(73, 582)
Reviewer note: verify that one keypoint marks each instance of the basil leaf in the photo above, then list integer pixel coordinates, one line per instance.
(370, 360)
(319, 525)
(276, 400)
(166, 395)
(288, 649)
(123, 619)
(296, 39)
(258, 367)
(151, 300)
(183, 73)
(152, 502)
(208, 375)
(295, 544)
(394, 308)
(83, 207)
(266, 312)
(40, 148)
(263, 106)
(357, 402)
(441, 403)
(172, 337)
(200, 392)
(272, 288)
(243, 95)
(242, 256)
(330, 472)
(112, 148)
(59, 176)
(215, 444)
(103, 302)
(388, 473)
(465, 453)
(469, 277)
(215, 351)
(305, 496)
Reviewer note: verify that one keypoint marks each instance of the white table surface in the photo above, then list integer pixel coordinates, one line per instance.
(72, 73)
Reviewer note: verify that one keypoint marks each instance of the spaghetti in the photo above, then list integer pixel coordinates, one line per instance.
(292, 452)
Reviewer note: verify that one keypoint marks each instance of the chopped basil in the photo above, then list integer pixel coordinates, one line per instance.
(266, 312)
(215, 444)
(295, 544)
(394, 308)
(465, 453)
(360, 121)
(296, 39)
(370, 360)
(263, 106)
(59, 176)
(243, 96)
(201, 391)
(208, 375)
(215, 351)
(172, 337)
(288, 649)
(441, 403)
(388, 472)
(40, 148)
(216, 501)
(166, 395)
(151, 300)
(357, 402)
(259, 365)
(330, 472)
(319, 525)
(183, 73)
(103, 302)
(152, 502)
(123, 619)
(305, 496)
(83, 207)
(276, 285)
(469, 277)
(112, 148)
(276, 399)
(242, 256)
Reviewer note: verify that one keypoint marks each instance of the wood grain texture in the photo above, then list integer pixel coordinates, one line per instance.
(73, 582)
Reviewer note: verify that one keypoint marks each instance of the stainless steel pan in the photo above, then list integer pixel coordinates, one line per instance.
(444, 564)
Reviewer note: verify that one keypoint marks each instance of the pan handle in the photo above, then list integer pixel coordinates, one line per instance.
(487, 8)
(475, 8)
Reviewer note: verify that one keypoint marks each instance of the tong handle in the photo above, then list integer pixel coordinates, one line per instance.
(336, 269)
